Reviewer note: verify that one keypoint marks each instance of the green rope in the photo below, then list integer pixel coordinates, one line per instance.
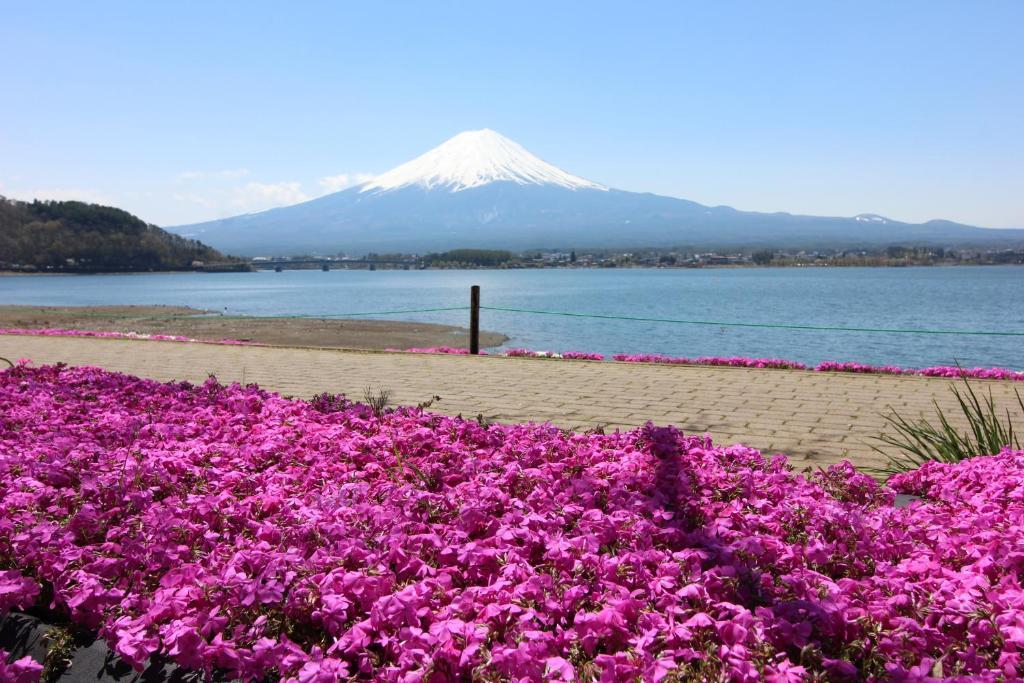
(770, 325)
(327, 316)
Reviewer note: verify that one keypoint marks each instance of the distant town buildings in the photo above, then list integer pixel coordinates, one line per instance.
(649, 258)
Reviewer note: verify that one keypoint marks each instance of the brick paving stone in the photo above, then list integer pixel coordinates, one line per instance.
(815, 418)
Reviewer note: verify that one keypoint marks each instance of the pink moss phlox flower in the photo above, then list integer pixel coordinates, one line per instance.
(938, 371)
(976, 373)
(527, 353)
(438, 349)
(511, 353)
(570, 355)
(16, 591)
(24, 670)
(56, 332)
(237, 532)
(833, 366)
(734, 361)
(582, 355)
(744, 362)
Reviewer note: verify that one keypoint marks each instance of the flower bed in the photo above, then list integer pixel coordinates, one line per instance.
(231, 529)
(735, 361)
(437, 349)
(744, 362)
(833, 366)
(510, 353)
(976, 373)
(57, 332)
(571, 355)
(937, 371)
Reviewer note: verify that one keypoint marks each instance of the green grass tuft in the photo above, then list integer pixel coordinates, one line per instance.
(989, 431)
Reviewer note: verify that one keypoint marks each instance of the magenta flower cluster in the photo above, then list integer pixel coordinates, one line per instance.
(24, 670)
(233, 530)
(17, 592)
(581, 355)
(511, 353)
(936, 371)
(734, 361)
(834, 366)
(57, 332)
(437, 349)
(571, 355)
(976, 373)
(744, 362)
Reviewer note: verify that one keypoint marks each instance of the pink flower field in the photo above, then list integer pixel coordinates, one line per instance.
(235, 531)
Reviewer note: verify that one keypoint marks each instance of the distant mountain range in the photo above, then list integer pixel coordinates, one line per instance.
(480, 189)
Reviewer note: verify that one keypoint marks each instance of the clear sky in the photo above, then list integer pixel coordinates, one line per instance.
(181, 112)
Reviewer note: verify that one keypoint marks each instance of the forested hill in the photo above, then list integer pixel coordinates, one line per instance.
(80, 237)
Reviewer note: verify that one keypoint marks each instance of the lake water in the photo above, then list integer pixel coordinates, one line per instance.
(961, 298)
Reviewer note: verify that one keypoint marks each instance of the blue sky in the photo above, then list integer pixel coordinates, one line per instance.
(185, 111)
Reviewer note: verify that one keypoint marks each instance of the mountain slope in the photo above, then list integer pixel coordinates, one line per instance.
(480, 189)
(45, 235)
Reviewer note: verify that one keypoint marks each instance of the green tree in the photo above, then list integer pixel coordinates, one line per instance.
(75, 236)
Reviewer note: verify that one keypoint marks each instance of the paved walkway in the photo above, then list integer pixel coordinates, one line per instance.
(815, 418)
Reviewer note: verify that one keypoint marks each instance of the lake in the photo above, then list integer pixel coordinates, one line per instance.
(960, 298)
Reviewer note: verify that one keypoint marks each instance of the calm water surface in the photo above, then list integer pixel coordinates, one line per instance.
(965, 298)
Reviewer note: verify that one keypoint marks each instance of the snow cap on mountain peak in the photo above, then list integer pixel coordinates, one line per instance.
(472, 159)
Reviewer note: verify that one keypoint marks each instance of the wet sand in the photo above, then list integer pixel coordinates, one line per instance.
(197, 324)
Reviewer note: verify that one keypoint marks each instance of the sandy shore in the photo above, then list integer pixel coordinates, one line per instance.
(197, 324)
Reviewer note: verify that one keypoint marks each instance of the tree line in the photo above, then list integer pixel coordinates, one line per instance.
(469, 257)
(79, 237)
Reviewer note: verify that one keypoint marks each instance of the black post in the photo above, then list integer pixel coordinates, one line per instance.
(474, 320)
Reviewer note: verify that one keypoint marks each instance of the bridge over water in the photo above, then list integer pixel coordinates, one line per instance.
(335, 264)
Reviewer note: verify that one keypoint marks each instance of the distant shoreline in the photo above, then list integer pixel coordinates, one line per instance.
(18, 273)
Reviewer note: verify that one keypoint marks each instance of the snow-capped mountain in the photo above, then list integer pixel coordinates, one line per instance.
(473, 159)
(480, 189)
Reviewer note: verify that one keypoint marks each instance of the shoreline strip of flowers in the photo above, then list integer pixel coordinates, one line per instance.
(950, 371)
(60, 332)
